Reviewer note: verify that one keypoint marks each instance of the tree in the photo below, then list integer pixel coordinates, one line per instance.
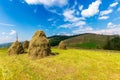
(113, 44)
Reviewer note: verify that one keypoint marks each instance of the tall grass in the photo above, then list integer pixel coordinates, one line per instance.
(71, 64)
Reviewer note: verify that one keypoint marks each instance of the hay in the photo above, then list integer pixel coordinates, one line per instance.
(39, 45)
(62, 45)
(26, 44)
(16, 48)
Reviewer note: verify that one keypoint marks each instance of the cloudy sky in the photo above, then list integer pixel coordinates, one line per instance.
(55, 17)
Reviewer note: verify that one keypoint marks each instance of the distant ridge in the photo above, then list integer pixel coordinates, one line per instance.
(86, 40)
(89, 41)
(5, 45)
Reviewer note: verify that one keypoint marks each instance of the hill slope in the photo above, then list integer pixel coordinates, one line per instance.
(88, 41)
(55, 40)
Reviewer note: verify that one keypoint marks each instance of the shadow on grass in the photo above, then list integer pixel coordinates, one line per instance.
(54, 53)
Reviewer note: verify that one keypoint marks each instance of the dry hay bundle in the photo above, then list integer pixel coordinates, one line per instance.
(39, 45)
(16, 48)
(26, 44)
(62, 45)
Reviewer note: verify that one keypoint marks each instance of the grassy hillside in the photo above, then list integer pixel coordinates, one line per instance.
(86, 40)
(89, 41)
(55, 40)
(71, 64)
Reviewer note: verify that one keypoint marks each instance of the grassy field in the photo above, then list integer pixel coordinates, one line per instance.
(71, 64)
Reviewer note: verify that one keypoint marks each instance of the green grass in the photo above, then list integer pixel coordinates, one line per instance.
(71, 64)
(89, 45)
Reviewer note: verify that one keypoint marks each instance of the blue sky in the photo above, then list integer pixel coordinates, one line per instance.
(55, 17)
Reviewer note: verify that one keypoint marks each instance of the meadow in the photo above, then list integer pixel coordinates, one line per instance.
(71, 64)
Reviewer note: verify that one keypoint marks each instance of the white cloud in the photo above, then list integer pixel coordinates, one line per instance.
(75, 4)
(75, 24)
(68, 25)
(80, 7)
(116, 19)
(8, 25)
(49, 3)
(114, 4)
(50, 19)
(92, 10)
(64, 33)
(7, 36)
(69, 15)
(21, 1)
(72, 19)
(53, 11)
(54, 22)
(77, 13)
(103, 17)
(80, 23)
(111, 25)
(118, 9)
(3, 33)
(106, 12)
(12, 32)
(6, 39)
(111, 29)
(82, 30)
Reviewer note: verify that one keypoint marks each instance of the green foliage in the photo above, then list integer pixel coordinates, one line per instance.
(89, 45)
(55, 40)
(113, 44)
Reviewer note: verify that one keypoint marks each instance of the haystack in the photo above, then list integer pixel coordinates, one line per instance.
(16, 48)
(39, 45)
(26, 44)
(62, 45)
